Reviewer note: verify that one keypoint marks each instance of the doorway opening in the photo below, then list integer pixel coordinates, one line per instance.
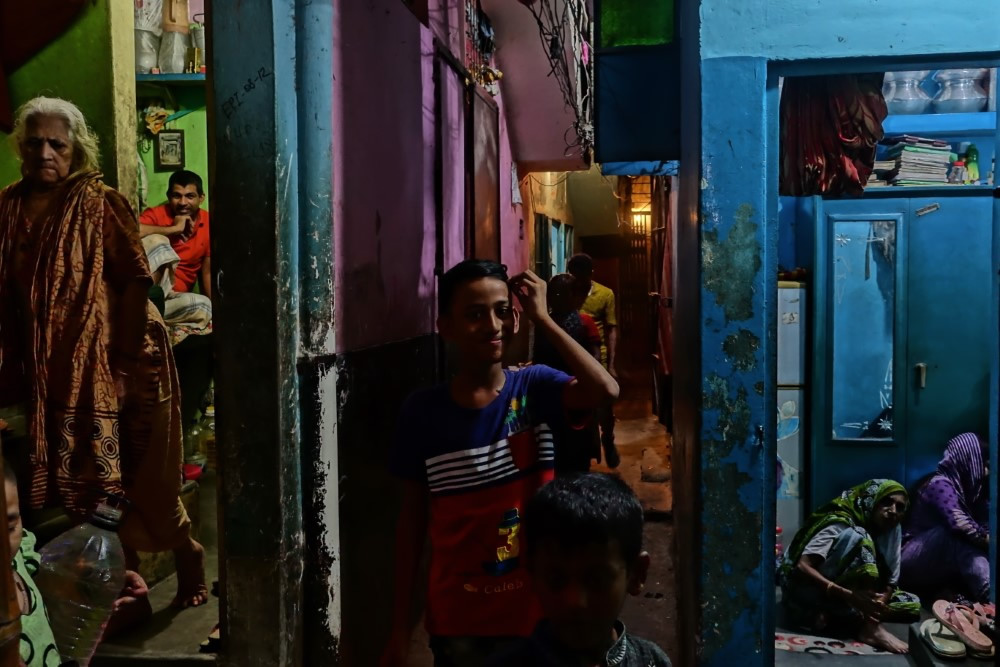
(623, 225)
(172, 147)
(880, 387)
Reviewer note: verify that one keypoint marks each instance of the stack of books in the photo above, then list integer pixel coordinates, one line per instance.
(913, 161)
(879, 176)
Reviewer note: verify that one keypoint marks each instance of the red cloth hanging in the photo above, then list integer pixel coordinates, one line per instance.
(26, 27)
(830, 126)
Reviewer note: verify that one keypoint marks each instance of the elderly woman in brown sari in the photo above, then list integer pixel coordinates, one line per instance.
(82, 347)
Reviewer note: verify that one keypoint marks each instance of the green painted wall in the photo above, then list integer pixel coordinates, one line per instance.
(195, 129)
(76, 67)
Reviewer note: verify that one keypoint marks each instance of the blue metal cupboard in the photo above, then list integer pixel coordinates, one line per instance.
(904, 332)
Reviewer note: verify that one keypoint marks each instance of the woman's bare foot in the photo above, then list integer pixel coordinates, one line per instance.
(190, 561)
(876, 635)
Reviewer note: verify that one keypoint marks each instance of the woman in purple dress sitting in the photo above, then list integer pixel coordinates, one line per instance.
(946, 538)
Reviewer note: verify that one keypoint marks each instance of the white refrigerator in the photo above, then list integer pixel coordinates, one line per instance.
(791, 433)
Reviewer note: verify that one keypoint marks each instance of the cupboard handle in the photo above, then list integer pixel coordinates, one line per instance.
(921, 375)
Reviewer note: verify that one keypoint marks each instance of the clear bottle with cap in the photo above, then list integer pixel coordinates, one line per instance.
(207, 447)
(192, 445)
(80, 576)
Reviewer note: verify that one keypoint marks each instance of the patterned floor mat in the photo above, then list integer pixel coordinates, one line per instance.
(809, 644)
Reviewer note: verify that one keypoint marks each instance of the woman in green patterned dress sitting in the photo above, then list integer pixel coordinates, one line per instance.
(841, 570)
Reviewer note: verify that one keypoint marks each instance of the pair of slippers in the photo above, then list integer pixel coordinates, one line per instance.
(955, 631)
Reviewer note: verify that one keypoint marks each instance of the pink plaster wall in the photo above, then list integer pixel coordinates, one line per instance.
(514, 251)
(540, 118)
(446, 19)
(384, 161)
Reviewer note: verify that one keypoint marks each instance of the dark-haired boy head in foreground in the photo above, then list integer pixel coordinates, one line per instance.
(584, 552)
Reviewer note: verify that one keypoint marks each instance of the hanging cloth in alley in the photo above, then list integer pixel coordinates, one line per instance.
(25, 29)
(830, 126)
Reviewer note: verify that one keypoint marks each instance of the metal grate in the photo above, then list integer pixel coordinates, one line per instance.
(635, 269)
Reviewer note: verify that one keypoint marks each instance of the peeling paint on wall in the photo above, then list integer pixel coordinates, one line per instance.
(741, 347)
(321, 518)
(729, 272)
(733, 534)
(730, 457)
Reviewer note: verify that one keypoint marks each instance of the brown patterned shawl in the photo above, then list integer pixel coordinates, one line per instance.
(83, 256)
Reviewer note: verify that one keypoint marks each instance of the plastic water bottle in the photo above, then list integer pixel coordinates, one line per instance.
(81, 575)
(192, 443)
(207, 447)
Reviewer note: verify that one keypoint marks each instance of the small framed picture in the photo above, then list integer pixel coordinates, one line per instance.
(169, 150)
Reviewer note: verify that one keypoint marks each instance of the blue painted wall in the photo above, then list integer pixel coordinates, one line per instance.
(810, 29)
(728, 243)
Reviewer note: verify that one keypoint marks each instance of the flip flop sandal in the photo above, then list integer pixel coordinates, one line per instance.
(957, 619)
(943, 642)
(986, 614)
(983, 655)
(213, 643)
(987, 628)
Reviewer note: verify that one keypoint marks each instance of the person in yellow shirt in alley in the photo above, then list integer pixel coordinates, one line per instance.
(600, 305)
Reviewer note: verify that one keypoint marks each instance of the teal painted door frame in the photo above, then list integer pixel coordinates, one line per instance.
(724, 433)
(271, 165)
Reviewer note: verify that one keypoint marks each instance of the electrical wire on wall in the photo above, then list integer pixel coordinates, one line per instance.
(619, 223)
(566, 37)
(550, 185)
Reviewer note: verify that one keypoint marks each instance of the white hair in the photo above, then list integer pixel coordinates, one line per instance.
(85, 154)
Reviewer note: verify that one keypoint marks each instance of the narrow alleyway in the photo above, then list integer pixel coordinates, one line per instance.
(644, 447)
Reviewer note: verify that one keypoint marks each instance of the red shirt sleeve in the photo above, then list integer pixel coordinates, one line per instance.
(156, 217)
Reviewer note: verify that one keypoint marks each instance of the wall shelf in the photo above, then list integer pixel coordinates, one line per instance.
(174, 79)
(909, 191)
(980, 124)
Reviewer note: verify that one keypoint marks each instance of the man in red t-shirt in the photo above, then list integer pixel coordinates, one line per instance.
(185, 224)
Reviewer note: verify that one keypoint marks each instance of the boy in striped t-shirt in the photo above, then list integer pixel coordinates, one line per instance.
(471, 453)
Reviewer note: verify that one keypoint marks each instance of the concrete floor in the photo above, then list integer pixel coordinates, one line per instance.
(920, 654)
(173, 637)
(644, 447)
(789, 658)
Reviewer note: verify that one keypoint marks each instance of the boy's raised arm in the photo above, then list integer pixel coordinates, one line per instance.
(592, 386)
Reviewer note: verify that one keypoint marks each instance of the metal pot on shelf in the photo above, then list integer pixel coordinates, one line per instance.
(961, 91)
(903, 94)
